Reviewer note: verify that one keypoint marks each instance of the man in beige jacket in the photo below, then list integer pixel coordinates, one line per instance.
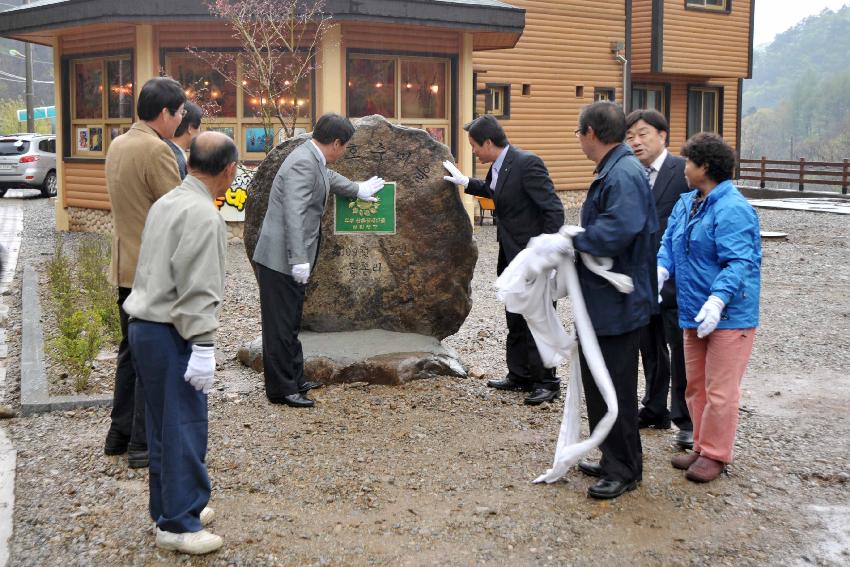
(140, 168)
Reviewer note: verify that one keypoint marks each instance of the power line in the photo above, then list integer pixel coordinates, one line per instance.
(16, 77)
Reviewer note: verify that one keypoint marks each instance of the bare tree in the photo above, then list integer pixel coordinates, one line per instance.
(278, 41)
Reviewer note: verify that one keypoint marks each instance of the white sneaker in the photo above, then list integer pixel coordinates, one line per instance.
(207, 517)
(193, 543)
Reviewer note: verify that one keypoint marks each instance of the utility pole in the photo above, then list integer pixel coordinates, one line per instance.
(28, 77)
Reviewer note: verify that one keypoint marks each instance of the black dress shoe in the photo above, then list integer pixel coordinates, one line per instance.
(685, 439)
(510, 384)
(606, 488)
(590, 469)
(539, 396)
(137, 459)
(309, 385)
(298, 400)
(654, 423)
(116, 444)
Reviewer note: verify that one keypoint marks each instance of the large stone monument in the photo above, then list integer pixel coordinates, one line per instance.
(398, 271)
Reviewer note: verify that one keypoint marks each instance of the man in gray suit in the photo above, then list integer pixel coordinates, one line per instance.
(288, 246)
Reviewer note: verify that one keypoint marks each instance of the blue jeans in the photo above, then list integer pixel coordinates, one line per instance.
(176, 418)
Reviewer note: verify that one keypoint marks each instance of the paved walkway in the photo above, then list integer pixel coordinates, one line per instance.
(11, 228)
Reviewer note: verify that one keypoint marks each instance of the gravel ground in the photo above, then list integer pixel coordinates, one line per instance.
(438, 472)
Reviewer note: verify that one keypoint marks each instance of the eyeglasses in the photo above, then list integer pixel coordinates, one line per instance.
(180, 111)
(578, 132)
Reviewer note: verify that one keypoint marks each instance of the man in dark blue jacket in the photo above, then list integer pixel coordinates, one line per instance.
(620, 223)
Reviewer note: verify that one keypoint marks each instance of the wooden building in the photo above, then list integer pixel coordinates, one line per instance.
(686, 58)
(534, 63)
(371, 61)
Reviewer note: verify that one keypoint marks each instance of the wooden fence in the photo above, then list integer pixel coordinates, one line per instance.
(800, 172)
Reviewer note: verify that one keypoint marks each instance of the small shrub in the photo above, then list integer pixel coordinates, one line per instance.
(83, 300)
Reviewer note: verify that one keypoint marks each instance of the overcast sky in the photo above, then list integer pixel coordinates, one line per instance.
(776, 16)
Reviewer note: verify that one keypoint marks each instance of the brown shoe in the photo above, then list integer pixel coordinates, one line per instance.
(704, 470)
(683, 460)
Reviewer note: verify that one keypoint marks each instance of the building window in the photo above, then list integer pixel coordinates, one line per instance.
(234, 112)
(604, 94)
(413, 91)
(713, 5)
(649, 97)
(497, 100)
(102, 103)
(703, 110)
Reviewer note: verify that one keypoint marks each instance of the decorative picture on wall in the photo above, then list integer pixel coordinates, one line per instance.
(96, 139)
(281, 135)
(82, 139)
(226, 130)
(258, 140)
(114, 132)
(438, 134)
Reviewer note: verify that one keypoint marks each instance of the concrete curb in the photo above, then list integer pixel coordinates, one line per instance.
(35, 396)
(8, 458)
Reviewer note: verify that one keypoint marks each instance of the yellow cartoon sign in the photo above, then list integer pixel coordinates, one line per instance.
(232, 206)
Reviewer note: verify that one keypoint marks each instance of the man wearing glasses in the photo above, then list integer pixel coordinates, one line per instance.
(140, 168)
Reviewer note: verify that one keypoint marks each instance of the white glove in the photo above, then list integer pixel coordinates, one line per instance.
(368, 188)
(301, 272)
(709, 316)
(663, 276)
(201, 368)
(550, 250)
(456, 176)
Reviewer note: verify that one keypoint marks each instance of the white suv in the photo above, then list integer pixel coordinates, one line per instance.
(28, 160)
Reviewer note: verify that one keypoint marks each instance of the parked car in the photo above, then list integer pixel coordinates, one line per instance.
(28, 160)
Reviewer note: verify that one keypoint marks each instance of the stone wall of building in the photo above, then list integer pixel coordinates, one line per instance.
(572, 199)
(235, 231)
(89, 220)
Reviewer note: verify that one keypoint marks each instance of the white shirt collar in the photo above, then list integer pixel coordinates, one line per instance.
(321, 155)
(659, 161)
(497, 165)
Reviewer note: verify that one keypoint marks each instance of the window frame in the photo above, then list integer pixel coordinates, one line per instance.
(719, 92)
(725, 9)
(451, 60)
(240, 123)
(70, 123)
(505, 109)
(597, 91)
(665, 90)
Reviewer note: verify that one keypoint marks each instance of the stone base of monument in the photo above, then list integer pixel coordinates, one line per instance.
(373, 356)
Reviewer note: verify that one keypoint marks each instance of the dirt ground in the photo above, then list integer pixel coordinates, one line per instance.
(439, 472)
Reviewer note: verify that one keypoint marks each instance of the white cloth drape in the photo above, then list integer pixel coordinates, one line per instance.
(528, 286)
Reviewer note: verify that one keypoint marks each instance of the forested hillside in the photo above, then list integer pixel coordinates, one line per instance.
(798, 102)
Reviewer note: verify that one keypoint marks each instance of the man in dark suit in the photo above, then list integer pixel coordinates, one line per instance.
(647, 135)
(526, 206)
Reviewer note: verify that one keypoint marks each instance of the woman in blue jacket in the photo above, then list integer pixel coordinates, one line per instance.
(713, 247)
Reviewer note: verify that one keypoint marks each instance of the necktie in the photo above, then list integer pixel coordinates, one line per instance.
(494, 177)
(649, 170)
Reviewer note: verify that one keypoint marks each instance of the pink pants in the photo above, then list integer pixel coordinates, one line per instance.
(715, 366)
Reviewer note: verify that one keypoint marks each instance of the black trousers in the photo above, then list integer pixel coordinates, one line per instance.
(281, 307)
(622, 457)
(128, 398)
(521, 354)
(664, 370)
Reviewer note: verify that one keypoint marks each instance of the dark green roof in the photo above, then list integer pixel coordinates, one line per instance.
(474, 15)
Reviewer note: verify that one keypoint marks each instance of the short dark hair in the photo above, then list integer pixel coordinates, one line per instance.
(191, 118)
(651, 117)
(211, 154)
(607, 120)
(486, 127)
(159, 93)
(710, 150)
(331, 127)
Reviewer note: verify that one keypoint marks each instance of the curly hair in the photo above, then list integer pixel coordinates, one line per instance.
(708, 149)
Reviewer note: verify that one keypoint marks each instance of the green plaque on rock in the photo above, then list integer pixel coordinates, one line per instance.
(355, 216)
